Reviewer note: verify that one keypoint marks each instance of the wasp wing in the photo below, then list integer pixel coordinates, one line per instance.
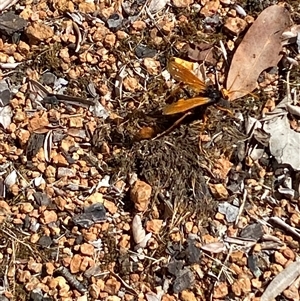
(183, 105)
(184, 75)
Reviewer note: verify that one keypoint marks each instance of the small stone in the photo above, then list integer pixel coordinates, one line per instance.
(124, 241)
(219, 191)
(235, 26)
(295, 219)
(34, 238)
(110, 40)
(34, 266)
(100, 33)
(48, 78)
(289, 254)
(84, 264)
(23, 48)
(253, 231)
(154, 225)
(24, 276)
(113, 298)
(92, 214)
(110, 206)
(87, 249)
(279, 258)
(64, 54)
(48, 216)
(292, 293)
(276, 268)
(59, 159)
(82, 298)
(75, 263)
(38, 32)
(182, 3)
(49, 268)
(168, 27)
(152, 66)
(131, 84)
(26, 208)
(188, 296)
(10, 22)
(65, 172)
(115, 22)
(139, 25)
(112, 286)
(45, 241)
(167, 297)
(4, 208)
(87, 7)
(210, 8)
(184, 280)
(188, 226)
(61, 281)
(241, 286)
(134, 278)
(140, 194)
(96, 197)
(76, 122)
(142, 51)
(220, 291)
(256, 283)
(94, 291)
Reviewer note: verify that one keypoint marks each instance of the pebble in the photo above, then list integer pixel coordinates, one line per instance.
(154, 225)
(38, 32)
(87, 249)
(143, 51)
(140, 194)
(10, 22)
(112, 286)
(182, 3)
(94, 291)
(45, 241)
(48, 216)
(210, 8)
(75, 263)
(115, 22)
(220, 291)
(188, 296)
(235, 26)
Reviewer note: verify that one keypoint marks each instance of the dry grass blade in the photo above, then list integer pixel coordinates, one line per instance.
(259, 50)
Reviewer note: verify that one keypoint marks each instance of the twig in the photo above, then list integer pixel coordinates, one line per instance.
(242, 205)
(127, 286)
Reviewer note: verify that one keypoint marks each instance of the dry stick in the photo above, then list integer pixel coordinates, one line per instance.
(284, 225)
(242, 206)
(13, 261)
(127, 286)
(283, 280)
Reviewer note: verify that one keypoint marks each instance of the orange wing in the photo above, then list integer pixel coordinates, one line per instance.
(183, 105)
(184, 75)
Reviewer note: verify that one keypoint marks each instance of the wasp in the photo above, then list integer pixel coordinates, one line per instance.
(180, 70)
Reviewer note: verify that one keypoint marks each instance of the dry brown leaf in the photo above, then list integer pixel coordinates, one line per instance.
(259, 50)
